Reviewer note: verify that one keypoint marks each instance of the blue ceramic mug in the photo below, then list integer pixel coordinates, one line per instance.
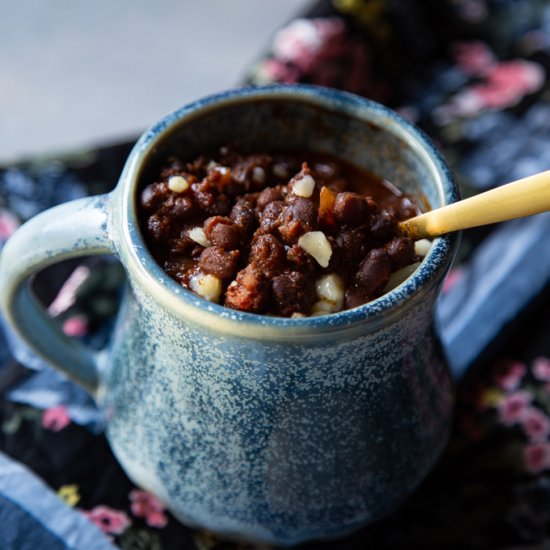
(259, 428)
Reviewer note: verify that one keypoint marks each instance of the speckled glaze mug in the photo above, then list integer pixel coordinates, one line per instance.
(259, 428)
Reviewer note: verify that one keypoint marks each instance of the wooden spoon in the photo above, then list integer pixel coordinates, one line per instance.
(520, 198)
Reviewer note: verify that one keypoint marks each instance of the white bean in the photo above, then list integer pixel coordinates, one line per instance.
(316, 244)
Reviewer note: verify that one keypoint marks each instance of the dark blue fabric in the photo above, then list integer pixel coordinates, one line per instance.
(21, 531)
(505, 274)
(33, 516)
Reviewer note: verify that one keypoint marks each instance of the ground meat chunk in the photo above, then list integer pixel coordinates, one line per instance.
(181, 244)
(300, 259)
(248, 292)
(270, 218)
(203, 194)
(297, 217)
(219, 262)
(292, 293)
(209, 199)
(268, 255)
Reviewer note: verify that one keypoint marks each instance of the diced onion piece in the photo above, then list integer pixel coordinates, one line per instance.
(316, 244)
(207, 286)
(331, 289)
(199, 236)
(304, 187)
(422, 247)
(178, 184)
(399, 276)
(258, 174)
(326, 203)
(323, 307)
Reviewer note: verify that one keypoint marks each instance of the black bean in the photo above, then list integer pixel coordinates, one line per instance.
(183, 208)
(216, 261)
(384, 226)
(221, 231)
(158, 227)
(351, 209)
(292, 292)
(353, 245)
(242, 214)
(401, 252)
(374, 272)
(268, 195)
(152, 195)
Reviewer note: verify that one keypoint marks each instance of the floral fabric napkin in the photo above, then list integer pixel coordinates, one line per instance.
(474, 75)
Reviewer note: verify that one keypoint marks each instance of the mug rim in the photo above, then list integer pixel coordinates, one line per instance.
(185, 304)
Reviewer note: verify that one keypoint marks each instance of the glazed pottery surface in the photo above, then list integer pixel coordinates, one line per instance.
(259, 428)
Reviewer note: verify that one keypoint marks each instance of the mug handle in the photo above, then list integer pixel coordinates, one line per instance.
(77, 228)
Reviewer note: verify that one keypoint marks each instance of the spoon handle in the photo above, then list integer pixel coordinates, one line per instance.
(523, 197)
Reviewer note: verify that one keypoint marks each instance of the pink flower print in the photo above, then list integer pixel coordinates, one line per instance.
(508, 83)
(8, 224)
(510, 374)
(56, 418)
(541, 368)
(536, 457)
(113, 522)
(304, 42)
(474, 58)
(503, 85)
(535, 424)
(513, 407)
(147, 506)
(321, 51)
(75, 326)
